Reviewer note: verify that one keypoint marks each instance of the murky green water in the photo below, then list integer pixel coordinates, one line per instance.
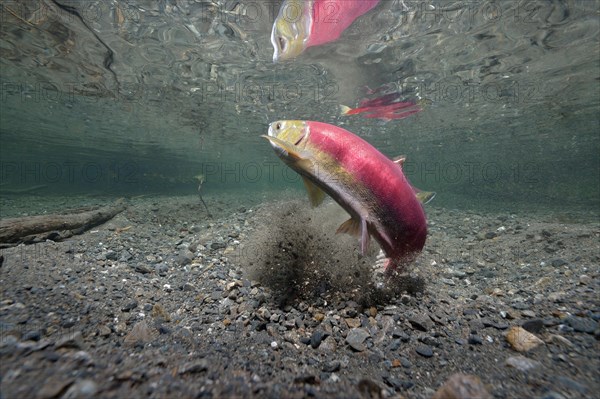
(132, 97)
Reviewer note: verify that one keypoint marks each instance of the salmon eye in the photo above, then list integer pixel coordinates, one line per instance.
(278, 126)
(282, 43)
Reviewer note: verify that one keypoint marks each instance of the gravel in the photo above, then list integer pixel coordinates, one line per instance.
(264, 300)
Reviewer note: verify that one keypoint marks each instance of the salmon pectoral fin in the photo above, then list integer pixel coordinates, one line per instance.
(315, 194)
(425, 197)
(357, 228)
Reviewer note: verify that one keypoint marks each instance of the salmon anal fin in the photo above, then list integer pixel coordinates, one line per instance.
(364, 237)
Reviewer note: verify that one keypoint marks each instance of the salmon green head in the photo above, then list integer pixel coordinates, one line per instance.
(291, 29)
(288, 139)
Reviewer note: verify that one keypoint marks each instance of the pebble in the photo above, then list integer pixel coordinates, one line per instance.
(81, 389)
(129, 306)
(522, 340)
(397, 384)
(581, 324)
(34, 335)
(195, 367)
(53, 386)
(316, 338)
(332, 366)
(528, 313)
(356, 338)
(572, 385)
(141, 268)
(534, 326)
(475, 339)
(462, 386)
(584, 279)
(328, 345)
(424, 350)
(104, 331)
(497, 326)
(71, 340)
(522, 363)
(558, 262)
(421, 322)
(353, 322)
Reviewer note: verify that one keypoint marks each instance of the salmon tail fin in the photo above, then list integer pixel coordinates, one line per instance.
(345, 110)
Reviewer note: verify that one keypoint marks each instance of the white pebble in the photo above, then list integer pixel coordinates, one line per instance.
(274, 345)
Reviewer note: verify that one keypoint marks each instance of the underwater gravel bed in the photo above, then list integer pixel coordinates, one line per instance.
(258, 301)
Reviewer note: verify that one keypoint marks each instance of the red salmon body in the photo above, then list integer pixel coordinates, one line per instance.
(399, 223)
(367, 184)
(332, 17)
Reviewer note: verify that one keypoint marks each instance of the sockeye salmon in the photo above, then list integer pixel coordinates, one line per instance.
(367, 184)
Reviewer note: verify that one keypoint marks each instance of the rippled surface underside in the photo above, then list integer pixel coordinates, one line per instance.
(156, 91)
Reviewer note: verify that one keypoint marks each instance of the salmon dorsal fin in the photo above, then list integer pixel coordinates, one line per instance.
(357, 228)
(315, 194)
(399, 160)
(425, 197)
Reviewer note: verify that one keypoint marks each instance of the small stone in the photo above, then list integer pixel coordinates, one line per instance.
(353, 322)
(71, 340)
(140, 333)
(198, 366)
(185, 257)
(462, 386)
(558, 262)
(34, 335)
(475, 340)
(189, 287)
(328, 345)
(572, 385)
(522, 340)
(125, 256)
(424, 350)
(316, 338)
(141, 268)
(274, 345)
(82, 389)
(356, 337)
(522, 363)
(528, 313)
(581, 324)
(584, 279)
(497, 326)
(129, 306)
(332, 366)
(534, 326)
(421, 322)
(490, 234)
(397, 383)
(53, 386)
(104, 331)
(319, 317)
(218, 245)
